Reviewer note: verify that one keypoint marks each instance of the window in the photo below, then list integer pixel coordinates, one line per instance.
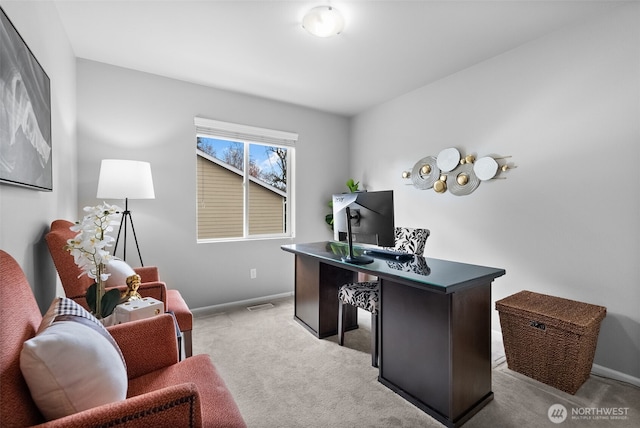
(244, 181)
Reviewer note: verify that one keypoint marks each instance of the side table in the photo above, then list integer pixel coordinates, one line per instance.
(178, 334)
(147, 307)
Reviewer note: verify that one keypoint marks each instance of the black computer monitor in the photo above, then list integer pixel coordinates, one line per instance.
(364, 217)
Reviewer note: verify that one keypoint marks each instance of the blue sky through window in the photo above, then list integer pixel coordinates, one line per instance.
(258, 153)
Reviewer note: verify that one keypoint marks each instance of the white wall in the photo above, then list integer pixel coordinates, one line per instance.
(565, 222)
(25, 214)
(125, 114)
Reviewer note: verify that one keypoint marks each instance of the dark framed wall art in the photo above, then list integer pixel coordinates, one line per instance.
(25, 114)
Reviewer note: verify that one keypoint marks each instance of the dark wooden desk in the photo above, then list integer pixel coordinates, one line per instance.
(435, 324)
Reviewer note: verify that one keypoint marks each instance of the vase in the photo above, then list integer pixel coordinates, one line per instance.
(109, 320)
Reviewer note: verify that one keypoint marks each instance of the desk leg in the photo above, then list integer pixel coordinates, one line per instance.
(316, 296)
(436, 349)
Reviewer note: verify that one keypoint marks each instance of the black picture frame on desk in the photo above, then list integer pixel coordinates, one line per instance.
(25, 114)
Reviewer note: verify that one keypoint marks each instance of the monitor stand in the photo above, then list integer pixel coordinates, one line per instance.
(357, 260)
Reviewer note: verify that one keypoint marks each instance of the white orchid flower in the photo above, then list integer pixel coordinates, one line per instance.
(90, 247)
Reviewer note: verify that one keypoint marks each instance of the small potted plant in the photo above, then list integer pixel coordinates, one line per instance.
(89, 251)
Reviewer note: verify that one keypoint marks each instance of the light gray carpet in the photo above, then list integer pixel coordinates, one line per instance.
(282, 376)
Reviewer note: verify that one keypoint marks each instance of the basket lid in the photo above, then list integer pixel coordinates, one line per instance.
(565, 313)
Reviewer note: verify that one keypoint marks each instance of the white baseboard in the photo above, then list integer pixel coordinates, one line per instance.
(213, 309)
(497, 348)
(615, 375)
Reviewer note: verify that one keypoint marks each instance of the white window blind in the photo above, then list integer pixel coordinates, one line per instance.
(235, 131)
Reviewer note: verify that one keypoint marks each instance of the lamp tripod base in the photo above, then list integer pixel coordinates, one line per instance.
(126, 216)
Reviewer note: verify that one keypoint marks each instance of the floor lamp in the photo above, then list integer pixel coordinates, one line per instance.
(125, 179)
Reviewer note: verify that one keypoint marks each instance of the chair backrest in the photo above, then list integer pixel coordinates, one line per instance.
(19, 320)
(75, 286)
(411, 240)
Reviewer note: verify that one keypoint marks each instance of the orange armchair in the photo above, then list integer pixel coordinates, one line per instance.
(75, 286)
(161, 391)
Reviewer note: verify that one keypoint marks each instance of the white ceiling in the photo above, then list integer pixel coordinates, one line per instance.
(388, 48)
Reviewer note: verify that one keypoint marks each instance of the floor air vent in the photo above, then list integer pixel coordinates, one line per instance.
(260, 307)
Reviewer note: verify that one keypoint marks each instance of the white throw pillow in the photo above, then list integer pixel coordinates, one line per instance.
(73, 363)
(119, 272)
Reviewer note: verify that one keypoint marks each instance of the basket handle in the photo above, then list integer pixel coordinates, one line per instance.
(538, 325)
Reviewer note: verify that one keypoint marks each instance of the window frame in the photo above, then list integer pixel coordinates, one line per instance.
(247, 135)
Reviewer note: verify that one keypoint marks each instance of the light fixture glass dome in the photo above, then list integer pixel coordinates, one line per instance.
(323, 21)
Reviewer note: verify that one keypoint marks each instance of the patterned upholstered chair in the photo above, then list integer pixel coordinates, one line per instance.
(75, 286)
(366, 294)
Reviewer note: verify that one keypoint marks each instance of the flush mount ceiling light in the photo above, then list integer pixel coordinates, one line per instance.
(323, 21)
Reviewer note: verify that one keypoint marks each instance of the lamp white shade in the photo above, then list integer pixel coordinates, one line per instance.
(323, 21)
(120, 179)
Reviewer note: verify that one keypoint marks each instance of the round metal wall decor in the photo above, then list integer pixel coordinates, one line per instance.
(462, 180)
(425, 181)
(485, 168)
(461, 175)
(448, 159)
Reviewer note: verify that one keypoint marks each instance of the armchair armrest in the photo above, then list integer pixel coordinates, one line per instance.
(177, 405)
(148, 273)
(148, 344)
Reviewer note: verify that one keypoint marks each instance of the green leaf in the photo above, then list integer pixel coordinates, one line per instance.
(339, 248)
(329, 220)
(352, 185)
(109, 301)
(90, 296)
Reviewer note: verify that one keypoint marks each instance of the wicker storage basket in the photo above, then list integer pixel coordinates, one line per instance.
(550, 339)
